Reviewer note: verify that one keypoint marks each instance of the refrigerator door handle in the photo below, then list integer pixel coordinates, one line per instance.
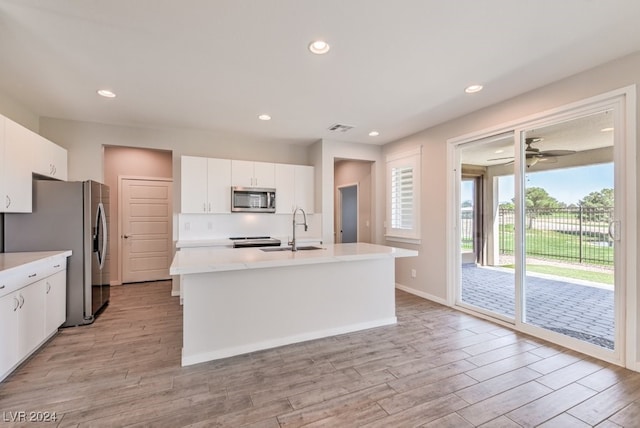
(101, 230)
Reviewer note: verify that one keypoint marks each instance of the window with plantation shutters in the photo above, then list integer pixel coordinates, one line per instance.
(403, 196)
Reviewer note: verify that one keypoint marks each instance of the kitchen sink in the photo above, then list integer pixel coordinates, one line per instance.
(300, 248)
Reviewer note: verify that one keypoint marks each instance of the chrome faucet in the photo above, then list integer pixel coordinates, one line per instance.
(294, 246)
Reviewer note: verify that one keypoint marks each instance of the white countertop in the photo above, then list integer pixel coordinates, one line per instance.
(210, 259)
(10, 261)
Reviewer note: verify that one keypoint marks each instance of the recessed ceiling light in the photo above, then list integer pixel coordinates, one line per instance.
(499, 151)
(319, 47)
(106, 93)
(264, 117)
(374, 134)
(473, 89)
(606, 130)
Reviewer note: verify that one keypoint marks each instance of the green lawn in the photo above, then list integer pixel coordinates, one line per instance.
(557, 245)
(575, 273)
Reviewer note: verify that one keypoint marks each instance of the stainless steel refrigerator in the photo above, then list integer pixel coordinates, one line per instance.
(69, 216)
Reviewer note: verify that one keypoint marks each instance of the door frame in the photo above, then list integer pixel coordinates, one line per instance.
(121, 178)
(626, 293)
(338, 221)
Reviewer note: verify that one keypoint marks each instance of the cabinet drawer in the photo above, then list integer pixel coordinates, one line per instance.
(18, 278)
(51, 267)
(10, 282)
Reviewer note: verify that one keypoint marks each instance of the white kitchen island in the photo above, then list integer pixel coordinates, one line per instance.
(243, 300)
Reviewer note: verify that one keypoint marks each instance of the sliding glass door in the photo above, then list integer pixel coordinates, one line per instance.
(569, 224)
(487, 276)
(538, 228)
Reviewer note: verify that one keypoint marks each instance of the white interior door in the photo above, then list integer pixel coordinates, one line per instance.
(146, 229)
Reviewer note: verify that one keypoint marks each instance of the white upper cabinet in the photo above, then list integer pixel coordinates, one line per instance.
(17, 170)
(193, 184)
(205, 185)
(285, 188)
(252, 174)
(50, 159)
(294, 188)
(22, 153)
(219, 185)
(305, 188)
(2, 173)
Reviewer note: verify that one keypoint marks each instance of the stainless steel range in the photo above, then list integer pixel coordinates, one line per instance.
(254, 241)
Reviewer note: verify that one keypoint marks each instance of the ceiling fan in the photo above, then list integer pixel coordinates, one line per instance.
(534, 155)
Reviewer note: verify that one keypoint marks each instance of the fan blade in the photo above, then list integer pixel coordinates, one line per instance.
(548, 160)
(495, 159)
(557, 152)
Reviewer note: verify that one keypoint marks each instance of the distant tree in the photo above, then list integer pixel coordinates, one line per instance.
(506, 206)
(598, 206)
(467, 204)
(536, 200)
(601, 199)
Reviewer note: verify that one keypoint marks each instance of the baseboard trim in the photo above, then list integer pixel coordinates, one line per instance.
(422, 294)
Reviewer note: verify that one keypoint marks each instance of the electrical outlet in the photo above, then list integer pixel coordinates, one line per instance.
(413, 273)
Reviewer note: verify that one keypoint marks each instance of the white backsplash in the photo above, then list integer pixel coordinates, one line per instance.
(221, 226)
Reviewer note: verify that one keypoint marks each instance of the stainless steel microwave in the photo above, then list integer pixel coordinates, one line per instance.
(253, 199)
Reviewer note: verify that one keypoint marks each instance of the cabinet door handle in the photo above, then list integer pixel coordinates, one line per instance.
(8, 202)
(209, 206)
(2, 287)
(48, 287)
(56, 266)
(21, 301)
(204, 207)
(16, 304)
(33, 275)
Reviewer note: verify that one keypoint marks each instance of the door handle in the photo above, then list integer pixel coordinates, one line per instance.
(613, 231)
(126, 236)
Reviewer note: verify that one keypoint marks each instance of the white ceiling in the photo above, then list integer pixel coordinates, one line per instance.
(396, 66)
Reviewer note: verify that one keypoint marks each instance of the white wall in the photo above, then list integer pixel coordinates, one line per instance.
(431, 264)
(85, 142)
(323, 156)
(19, 113)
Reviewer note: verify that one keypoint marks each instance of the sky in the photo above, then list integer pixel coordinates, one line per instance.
(567, 185)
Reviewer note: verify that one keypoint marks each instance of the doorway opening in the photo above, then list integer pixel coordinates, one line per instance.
(134, 164)
(353, 198)
(347, 223)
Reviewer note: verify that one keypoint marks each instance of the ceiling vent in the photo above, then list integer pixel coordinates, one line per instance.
(340, 128)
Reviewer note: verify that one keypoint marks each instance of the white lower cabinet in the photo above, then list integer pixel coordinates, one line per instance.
(32, 313)
(56, 301)
(31, 317)
(8, 332)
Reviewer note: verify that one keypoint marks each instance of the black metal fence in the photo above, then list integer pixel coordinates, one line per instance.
(575, 234)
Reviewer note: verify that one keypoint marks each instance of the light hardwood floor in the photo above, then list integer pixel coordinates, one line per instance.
(436, 368)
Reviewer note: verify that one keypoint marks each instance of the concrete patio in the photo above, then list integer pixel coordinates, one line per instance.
(569, 307)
